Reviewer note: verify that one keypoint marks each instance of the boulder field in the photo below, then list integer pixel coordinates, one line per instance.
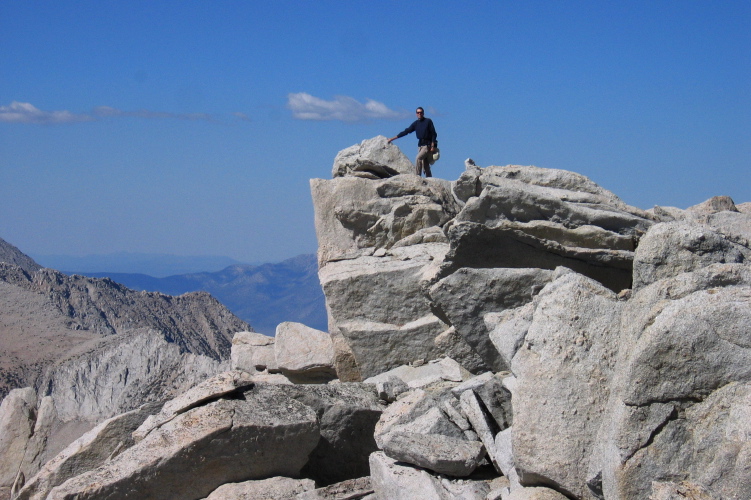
(518, 333)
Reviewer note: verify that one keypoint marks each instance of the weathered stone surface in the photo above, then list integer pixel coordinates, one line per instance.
(669, 490)
(280, 488)
(17, 418)
(702, 342)
(416, 412)
(535, 493)
(495, 397)
(351, 489)
(468, 184)
(382, 346)
(374, 155)
(89, 451)
(508, 330)
(452, 409)
(563, 375)
(714, 205)
(710, 448)
(454, 346)
(390, 387)
(356, 216)
(676, 247)
(473, 383)
(687, 339)
(505, 456)
(441, 454)
(270, 378)
(416, 377)
(214, 388)
(568, 191)
(344, 359)
(670, 214)
(396, 481)
(619, 396)
(508, 245)
(499, 489)
(378, 305)
(721, 441)
(507, 218)
(526, 194)
(469, 489)
(431, 234)
(253, 352)
(735, 226)
(263, 434)
(630, 426)
(347, 415)
(482, 423)
(304, 354)
(468, 294)
(544, 218)
(37, 451)
(343, 197)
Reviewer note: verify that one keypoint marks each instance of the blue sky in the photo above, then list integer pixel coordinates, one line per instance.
(193, 127)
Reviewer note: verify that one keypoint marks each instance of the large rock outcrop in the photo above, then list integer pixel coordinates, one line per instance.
(404, 259)
(624, 331)
(599, 352)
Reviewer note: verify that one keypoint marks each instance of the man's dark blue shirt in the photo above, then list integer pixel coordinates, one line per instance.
(425, 131)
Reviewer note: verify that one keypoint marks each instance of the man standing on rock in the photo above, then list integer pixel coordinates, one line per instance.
(426, 141)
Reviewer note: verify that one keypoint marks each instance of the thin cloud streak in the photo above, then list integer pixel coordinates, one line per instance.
(241, 116)
(108, 112)
(307, 107)
(24, 112)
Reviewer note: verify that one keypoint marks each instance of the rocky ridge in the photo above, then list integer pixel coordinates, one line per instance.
(92, 349)
(519, 333)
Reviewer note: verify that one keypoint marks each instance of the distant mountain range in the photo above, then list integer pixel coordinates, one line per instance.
(152, 264)
(263, 295)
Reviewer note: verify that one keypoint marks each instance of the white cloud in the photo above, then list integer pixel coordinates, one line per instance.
(307, 107)
(23, 112)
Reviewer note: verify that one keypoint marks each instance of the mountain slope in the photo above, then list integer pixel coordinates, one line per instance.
(46, 317)
(12, 255)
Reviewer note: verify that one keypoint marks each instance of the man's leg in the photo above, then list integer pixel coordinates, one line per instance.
(422, 162)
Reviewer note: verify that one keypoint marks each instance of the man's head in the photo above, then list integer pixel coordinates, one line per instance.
(420, 112)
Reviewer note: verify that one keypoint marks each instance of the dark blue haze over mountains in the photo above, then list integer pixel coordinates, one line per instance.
(262, 295)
